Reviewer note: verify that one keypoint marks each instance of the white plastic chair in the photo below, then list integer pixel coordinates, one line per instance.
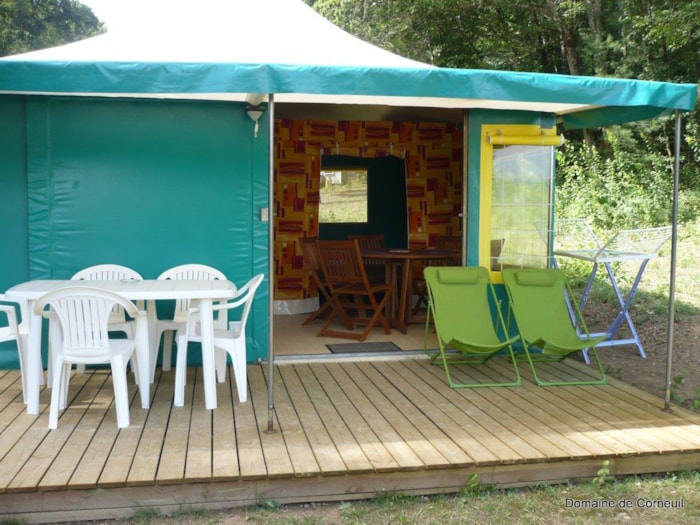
(81, 336)
(229, 341)
(168, 327)
(118, 322)
(14, 332)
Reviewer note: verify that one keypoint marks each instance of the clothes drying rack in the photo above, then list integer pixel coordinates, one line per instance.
(575, 238)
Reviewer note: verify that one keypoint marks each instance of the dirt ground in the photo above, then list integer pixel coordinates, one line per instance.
(625, 363)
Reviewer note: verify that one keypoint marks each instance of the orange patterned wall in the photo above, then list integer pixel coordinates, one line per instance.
(433, 154)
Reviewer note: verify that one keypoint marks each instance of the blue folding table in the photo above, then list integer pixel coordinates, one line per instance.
(575, 238)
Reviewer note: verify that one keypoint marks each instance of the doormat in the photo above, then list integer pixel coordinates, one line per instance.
(349, 348)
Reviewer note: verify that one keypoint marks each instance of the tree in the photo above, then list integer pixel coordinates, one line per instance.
(641, 39)
(26, 25)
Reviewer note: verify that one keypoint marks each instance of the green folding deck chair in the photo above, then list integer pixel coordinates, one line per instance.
(550, 325)
(461, 302)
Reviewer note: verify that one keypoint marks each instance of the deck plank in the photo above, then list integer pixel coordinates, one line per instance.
(342, 428)
(536, 450)
(347, 446)
(136, 453)
(10, 389)
(364, 437)
(224, 456)
(568, 419)
(99, 401)
(640, 416)
(424, 434)
(495, 431)
(199, 451)
(489, 437)
(83, 387)
(439, 410)
(612, 418)
(373, 418)
(90, 467)
(176, 429)
(261, 454)
(12, 411)
(327, 455)
(302, 461)
(538, 417)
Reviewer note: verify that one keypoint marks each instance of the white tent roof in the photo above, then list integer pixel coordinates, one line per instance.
(246, 49)
(233, 31)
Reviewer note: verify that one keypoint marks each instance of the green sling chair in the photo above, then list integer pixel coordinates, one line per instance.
(547, 320)
(461, 301)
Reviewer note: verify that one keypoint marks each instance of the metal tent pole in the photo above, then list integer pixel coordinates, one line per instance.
(271, 251)
(672, 283)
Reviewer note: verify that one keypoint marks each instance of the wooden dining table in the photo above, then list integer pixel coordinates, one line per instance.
(400, 308)
(205, 292)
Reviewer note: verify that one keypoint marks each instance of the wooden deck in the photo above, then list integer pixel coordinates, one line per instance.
(345, 428)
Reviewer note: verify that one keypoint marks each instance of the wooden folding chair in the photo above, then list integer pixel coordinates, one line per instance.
(370, 241)
(375, 268)
(351, 291)
(313, 266)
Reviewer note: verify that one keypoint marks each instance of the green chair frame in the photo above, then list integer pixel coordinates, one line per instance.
(461, 301)
(550, 325)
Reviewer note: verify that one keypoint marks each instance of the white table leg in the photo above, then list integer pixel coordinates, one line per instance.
(143, 357)
(208, 365)
(152, 320)
(34, 366)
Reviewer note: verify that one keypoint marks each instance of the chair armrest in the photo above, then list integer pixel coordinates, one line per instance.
(235, 302)
(11, 314)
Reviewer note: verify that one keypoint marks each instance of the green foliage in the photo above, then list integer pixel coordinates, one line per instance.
(269, 504)
(651, 40)
(26, 25)
(676, 397)
(544, 504)
(620, 190)
(675, 386)
(475, 488)
(603, 475)
(145, 515)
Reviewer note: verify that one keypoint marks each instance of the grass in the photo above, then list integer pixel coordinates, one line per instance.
(344, 203)
(660, 499)
(650, 312)
(652, 299)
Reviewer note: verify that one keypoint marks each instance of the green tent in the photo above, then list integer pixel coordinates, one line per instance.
(134, 147)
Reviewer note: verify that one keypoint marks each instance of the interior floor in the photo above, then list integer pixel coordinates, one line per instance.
(291, 338)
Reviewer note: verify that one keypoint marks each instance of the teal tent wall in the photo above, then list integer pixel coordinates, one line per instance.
(14, 262)
(149, 184)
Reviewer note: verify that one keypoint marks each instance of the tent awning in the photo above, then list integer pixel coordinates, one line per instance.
(224, 50)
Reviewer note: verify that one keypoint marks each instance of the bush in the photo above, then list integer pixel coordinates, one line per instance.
(624, 189)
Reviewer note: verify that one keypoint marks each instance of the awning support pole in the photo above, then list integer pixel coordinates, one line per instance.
(672, 283)
(271, 251)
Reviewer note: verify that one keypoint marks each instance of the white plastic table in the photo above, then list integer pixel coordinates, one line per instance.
(205, 292)
(574, 238)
